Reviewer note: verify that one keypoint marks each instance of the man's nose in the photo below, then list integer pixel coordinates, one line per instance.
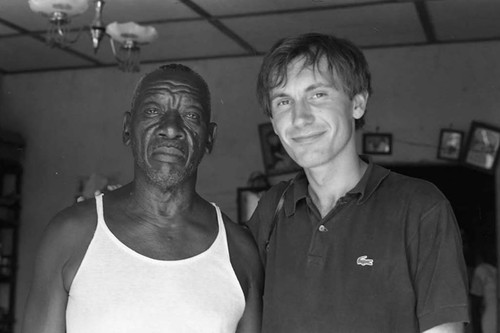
(170, 126)
(302, 113)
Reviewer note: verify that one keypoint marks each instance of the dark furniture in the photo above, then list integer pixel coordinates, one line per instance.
(11, 149)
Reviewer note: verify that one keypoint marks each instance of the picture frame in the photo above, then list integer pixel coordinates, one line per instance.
(247, 199)
(377, 143)
(276, 159)
(482, 148)
(450, 144)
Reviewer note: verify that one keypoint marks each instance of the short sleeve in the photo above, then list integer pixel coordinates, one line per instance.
(440, 278)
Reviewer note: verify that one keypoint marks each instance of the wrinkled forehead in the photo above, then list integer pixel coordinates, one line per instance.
(175, 83)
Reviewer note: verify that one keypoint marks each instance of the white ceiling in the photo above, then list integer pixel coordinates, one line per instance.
(208, 29)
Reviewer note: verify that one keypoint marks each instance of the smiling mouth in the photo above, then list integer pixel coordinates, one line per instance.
(306, 138)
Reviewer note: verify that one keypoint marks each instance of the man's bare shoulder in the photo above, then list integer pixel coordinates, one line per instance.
(70, 231)
(240, 235)
(74, 221)
(65, 241)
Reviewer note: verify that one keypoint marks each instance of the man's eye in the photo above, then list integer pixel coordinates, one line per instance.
(283, 102)
(151, 111)
(319, 95)
(192, 115)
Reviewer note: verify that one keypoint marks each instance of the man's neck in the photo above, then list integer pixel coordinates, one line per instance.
(329, 183)
(162, 204)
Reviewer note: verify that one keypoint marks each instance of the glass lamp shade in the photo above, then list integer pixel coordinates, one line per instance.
(130, 36)
(59, 13)
(68, 7)
(131, 32)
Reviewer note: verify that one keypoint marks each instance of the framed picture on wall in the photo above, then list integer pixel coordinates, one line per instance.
(450, 144)
(481, 151)
(247, 199)
(276, 159)
(377, 143)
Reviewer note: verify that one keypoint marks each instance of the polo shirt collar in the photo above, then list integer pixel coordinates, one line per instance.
(372, 178)
(368, 184)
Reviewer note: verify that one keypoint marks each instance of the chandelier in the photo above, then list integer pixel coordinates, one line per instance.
(59, 14)
(129, 35)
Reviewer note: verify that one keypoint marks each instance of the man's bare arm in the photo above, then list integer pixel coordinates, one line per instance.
(54, 270)
(46, 304)
(248, 267)
(251, 321)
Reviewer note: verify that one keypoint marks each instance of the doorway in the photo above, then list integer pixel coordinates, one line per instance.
(472, 197)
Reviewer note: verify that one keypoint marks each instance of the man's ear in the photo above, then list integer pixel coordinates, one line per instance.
(272, 123)
(126, 134)
(359, 105)
(212, 134)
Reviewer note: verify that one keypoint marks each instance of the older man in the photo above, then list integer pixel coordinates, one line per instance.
(152, 256)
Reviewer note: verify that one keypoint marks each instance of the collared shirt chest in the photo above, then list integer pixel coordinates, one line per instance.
(357, 239)
(334, 267)
(385, 259)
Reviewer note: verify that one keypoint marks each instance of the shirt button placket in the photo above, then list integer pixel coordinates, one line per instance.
(317, 247)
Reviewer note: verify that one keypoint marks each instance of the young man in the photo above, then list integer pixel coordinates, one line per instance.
(353, 247)
(152, 256)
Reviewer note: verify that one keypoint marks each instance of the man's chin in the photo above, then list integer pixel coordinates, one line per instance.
(165, 175)
(164, 184)
(170, 179)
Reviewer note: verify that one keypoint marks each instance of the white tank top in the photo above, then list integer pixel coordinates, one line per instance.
(119, 290)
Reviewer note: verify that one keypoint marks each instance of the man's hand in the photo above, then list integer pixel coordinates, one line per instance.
(447, 328)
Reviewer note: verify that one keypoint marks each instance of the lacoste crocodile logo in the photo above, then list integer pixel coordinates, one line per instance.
(363, 261)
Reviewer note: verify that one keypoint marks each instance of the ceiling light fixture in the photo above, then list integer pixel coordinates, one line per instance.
(130, 36)
(59, 13)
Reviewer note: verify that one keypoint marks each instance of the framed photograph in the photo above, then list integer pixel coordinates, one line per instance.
(276, 159)
(377, 143)
(247, 200)
(481, 151)
(450, 144)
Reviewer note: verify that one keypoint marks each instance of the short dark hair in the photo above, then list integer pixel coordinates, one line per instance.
(178, 68)
(345, 60)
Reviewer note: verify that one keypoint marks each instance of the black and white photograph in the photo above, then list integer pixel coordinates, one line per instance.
(249, 166)
(377, 143)
(482, 147)
(450, 144)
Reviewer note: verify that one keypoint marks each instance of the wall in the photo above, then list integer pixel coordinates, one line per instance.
(71, 121)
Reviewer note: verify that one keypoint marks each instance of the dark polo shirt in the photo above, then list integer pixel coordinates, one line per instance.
(387, 258)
